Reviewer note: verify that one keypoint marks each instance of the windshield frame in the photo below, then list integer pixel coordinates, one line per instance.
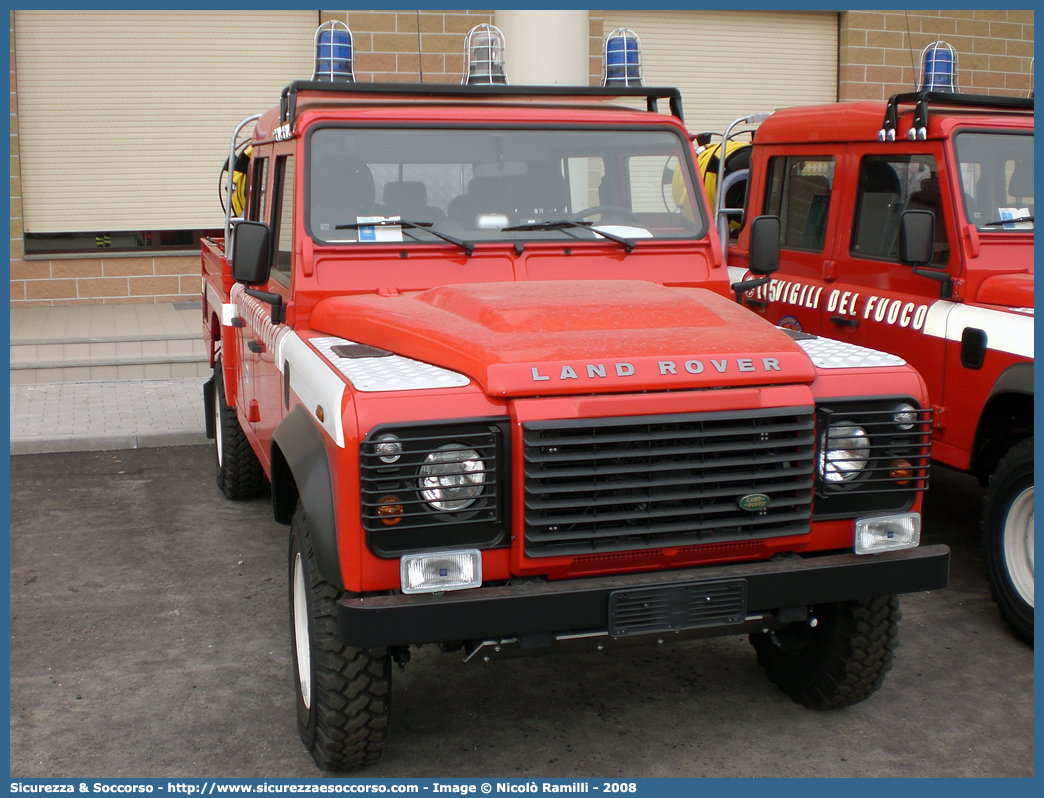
(699, 225)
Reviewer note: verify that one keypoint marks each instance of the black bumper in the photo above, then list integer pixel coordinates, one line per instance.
(583, 605)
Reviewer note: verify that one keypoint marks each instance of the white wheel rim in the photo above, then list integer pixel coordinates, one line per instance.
(304, 650)
(217, 424)
(1018, 544)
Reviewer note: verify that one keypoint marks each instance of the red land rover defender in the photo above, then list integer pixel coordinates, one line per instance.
(907, 227)
(493, 376)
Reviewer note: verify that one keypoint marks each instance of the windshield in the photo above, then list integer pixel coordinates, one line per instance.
(996, 171)
(496, 185)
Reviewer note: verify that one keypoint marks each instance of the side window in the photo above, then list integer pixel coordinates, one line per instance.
(284, 232)
(799, 194)
(889, 185)
(256, 207)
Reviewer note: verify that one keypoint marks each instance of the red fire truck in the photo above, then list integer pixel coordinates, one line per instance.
(479, 345)
(907, 227)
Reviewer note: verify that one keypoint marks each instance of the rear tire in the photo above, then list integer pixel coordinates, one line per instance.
(1007, 538)
(840, 661)
(239, 472)
(343, 693)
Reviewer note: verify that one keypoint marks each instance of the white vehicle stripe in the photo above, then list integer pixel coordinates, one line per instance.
(314, 382)
(228, 311)
(1005, 332)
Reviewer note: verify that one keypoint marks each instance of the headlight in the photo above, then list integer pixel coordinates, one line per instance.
(844, 450)
(451, 477)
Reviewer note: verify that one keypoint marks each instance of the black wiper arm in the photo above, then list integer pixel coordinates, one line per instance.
(565, 224)
(1009, 221)
(467, 246)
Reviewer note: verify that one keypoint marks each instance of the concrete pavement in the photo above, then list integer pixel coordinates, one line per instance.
(115, 414)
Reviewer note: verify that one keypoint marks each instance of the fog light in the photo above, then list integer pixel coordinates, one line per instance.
(443, 570)
(887, 533)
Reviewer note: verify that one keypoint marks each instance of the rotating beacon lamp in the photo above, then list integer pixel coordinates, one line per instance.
(622, 59)
(484, 56)
(939, 68)
(333, 53)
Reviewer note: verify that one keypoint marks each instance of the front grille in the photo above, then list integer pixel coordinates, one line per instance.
(619, 484)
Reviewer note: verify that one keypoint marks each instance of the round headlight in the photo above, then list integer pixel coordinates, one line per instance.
(904, 415)
(388, 448)
(848, 453)
(451, 477)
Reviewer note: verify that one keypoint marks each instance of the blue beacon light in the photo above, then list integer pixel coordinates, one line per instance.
(939, 68)
(622, 59)
(333, 53)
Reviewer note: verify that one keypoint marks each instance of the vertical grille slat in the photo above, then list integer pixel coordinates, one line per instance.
(616, 484)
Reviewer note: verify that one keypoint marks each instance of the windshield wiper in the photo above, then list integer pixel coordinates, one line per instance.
(565, 224)
(467, 246)
(1009, 221)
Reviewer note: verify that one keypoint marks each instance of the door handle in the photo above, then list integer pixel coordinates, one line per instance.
(845, 321)
(256, 347)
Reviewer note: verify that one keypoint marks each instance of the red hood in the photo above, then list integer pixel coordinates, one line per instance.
(580, 336)
(1007, 290)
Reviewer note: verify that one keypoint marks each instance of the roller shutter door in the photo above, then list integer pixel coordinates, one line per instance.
(125, 116)
(732, 63)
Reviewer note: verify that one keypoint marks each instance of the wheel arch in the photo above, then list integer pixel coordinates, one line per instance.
(301, 471)
(1007, 418)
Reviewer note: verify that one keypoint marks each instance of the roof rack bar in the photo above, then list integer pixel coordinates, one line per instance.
(921, 100)
(288, 98)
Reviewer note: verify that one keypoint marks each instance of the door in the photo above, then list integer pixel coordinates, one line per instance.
(875, 301)
(800, 189)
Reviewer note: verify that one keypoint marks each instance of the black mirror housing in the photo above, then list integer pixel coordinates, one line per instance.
(764, 245)
(916, 238)
(252, 253)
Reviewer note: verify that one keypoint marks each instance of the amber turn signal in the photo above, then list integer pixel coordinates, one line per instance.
(389, 510)
(901, 472)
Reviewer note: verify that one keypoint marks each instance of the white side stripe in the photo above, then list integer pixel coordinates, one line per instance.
(1005, 332)
(314, 382)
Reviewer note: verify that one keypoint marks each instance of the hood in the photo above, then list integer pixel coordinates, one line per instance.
(1007, 290)
(580, 336)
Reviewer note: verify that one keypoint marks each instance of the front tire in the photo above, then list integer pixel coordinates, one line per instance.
(840, 661)
(343, 693)
(239, 472)
(1007, 536)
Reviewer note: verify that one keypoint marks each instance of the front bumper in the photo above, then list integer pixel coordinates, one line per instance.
(550, 609)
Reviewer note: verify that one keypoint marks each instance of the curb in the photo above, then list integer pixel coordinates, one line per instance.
(45, 444)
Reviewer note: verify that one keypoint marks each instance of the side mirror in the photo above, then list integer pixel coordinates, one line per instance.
(916, 238)
(764, 245)
(252, 253)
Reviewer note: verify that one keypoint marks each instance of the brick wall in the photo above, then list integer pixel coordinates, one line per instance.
(104, 281)
(994, 49)
(387, 43)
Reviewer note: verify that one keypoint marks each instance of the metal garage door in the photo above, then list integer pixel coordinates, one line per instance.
(124, 117)
(732, 63)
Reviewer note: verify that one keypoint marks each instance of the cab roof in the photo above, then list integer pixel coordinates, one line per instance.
(935, 113)
(301, 96)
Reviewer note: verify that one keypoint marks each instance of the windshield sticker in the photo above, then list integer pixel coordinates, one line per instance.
(382, 232)
(1016, 218)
